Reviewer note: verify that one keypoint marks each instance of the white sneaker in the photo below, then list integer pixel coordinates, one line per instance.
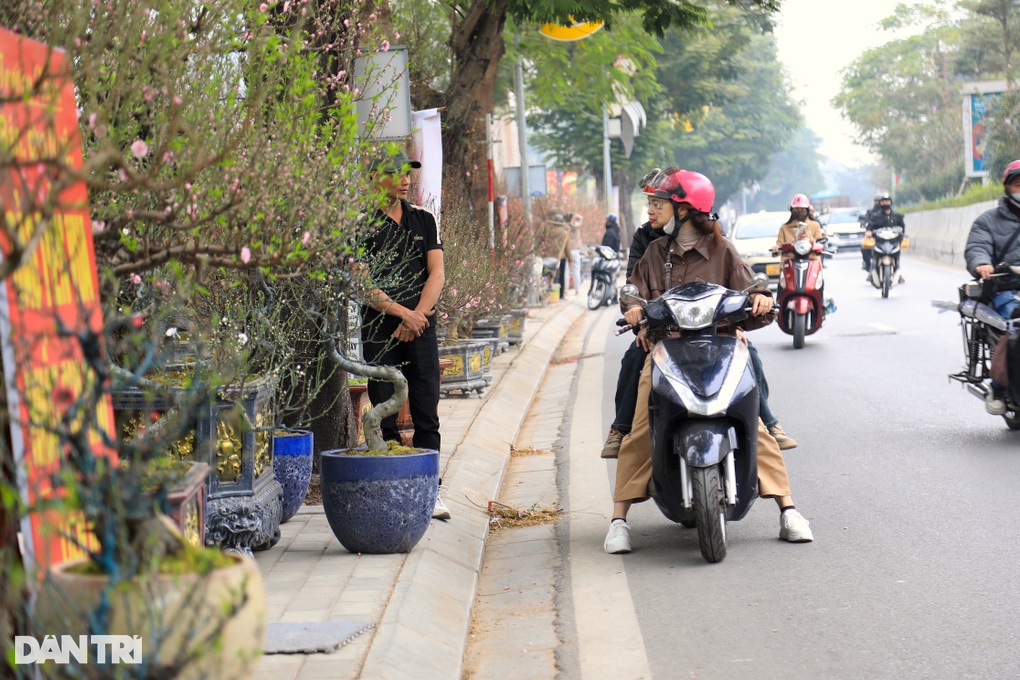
(618, 538)
(994, 404)
(440, 511)
(794, 528)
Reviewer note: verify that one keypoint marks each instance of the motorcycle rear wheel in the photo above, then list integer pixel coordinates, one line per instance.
(597, 294)
(886, 280)
(1012, 419)
(799, 330)
(710, 513)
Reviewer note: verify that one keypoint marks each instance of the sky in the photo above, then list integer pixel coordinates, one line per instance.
(817, 39)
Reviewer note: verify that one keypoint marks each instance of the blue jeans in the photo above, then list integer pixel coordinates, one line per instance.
(1004, 302)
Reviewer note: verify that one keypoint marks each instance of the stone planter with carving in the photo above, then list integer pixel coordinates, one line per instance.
(244, 504)
(466, 372)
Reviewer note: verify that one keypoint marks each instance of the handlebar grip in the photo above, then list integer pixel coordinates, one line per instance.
(621, 322)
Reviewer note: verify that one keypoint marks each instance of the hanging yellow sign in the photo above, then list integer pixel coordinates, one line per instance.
(576, 30)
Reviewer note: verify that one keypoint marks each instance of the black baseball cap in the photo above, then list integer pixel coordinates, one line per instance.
(387, 163)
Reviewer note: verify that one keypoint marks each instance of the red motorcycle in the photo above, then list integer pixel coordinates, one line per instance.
(801, 307)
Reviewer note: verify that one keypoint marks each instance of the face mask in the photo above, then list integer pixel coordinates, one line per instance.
(1015, 197)
(671, 226)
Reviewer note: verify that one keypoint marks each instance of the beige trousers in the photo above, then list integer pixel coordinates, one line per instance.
(634, 464)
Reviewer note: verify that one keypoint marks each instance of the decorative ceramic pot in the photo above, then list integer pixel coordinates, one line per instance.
(467, 368)
(191, 625)
(518, 322)
(378, 504)
(292, 464)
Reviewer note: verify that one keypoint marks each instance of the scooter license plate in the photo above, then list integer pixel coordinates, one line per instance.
(772, 270)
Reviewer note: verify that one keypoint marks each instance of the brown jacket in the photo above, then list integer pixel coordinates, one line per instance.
(556, 235)
(788, 234)
(723, 266)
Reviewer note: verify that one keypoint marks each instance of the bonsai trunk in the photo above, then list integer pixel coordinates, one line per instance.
(371, 422)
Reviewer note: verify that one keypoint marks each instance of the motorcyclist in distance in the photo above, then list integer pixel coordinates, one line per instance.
(799, 225)
(884, 217)
(864, 217)
(994, 239)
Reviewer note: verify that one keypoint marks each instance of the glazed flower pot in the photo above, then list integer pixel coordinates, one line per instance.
(378, 504)
(192, 625)
(292, 464)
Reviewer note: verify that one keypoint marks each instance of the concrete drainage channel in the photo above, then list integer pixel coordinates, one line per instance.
(514, 626)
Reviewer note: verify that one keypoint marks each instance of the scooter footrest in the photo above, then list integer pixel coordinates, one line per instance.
(965, 377)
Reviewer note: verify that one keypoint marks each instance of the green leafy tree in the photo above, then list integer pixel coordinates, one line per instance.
(477, 43)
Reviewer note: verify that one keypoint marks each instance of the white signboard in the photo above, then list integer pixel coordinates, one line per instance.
(977, 98)
(384, 104)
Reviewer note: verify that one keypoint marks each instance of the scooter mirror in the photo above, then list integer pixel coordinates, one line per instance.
(629, 296)
(1015, 269)
(760, 282)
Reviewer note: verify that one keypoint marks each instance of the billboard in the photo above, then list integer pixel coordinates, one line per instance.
(978, 99)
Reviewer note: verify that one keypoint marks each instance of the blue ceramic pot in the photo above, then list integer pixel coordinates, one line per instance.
(378, 504)
(292, 465)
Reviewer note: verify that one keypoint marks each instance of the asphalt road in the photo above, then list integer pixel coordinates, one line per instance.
(910, 487)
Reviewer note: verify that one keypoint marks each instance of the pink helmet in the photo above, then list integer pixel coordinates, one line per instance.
(686, 186)
(800, 201)
(1012, 170)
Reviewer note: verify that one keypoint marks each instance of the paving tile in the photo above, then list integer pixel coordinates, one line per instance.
(279, 667)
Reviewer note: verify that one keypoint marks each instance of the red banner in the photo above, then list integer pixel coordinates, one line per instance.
(54, 290)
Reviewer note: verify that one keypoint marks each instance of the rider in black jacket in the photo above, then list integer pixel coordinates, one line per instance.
(884, 216)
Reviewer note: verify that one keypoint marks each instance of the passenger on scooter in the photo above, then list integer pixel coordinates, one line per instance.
(995, 238)
(883, 217)
(695, 250)
(659, 215)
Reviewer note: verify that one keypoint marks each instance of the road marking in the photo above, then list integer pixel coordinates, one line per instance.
(610, 644)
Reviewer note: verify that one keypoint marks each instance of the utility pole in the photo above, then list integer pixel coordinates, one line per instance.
(488, 158)
(607, 174)
(522, 138)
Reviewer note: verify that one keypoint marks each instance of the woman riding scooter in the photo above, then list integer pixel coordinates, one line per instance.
(694, 251)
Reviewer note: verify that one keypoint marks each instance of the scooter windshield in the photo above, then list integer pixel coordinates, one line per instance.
(701, 363)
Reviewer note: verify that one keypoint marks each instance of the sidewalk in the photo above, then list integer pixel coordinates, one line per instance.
(419, 603)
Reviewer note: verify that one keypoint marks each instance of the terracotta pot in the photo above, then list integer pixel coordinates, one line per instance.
(218, 618)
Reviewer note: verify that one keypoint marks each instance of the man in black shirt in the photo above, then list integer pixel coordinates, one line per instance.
(398, 323)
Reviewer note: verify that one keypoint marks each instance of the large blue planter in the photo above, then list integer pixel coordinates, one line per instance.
(378, 504)
(292, 464)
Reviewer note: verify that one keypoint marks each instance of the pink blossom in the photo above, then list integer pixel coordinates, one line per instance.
(396, 35)
(139, 148)
(98, 227)
(453, 292)
(385, 45)
(263, 7)
(92, 121)
(306, 238)
(136, 279)
(245, 254)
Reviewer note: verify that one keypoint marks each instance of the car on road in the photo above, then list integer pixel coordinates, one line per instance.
(754, 235)
(843, 227)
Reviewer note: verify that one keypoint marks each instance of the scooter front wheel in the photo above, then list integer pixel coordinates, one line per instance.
(710, 512)
(597, 294)
(799, 330)
(1012, 419)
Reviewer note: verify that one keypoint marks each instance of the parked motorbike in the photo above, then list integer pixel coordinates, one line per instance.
(605, 267)
(801, 308)
(886, 244)
(982, 329)
(703, 410)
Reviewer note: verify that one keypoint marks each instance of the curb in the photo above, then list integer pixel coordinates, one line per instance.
(426, 623)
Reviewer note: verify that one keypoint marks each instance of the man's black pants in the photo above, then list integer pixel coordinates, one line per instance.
(418, 360)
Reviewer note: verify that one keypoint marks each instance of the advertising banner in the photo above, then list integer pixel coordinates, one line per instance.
(978, 98)
(49, 291)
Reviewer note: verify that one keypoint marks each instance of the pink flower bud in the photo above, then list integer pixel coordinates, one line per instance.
(139, 148)
(245, 254)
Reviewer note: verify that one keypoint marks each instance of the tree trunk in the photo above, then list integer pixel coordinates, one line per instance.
(477, 45)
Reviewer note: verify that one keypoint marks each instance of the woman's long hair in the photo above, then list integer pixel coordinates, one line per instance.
(704, 224)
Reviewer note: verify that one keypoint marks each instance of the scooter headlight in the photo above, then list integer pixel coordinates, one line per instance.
(694, 314)
(802, 246)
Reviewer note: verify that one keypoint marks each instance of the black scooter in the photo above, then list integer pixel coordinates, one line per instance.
(703, 410)
(886, 243)
(605, 267)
